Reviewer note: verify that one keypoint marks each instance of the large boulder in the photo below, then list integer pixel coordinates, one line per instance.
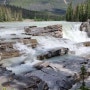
(85, 26)
(54, 30)
(53, 53)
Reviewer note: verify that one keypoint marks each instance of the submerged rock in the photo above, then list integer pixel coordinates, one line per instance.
(87, 44)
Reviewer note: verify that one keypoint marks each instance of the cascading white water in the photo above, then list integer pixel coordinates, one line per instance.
(71, 33)
(29, 60)
(24, 49)
(47, 43)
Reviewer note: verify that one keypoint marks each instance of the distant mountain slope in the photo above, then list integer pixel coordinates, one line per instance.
(3, 1)
(54, 6)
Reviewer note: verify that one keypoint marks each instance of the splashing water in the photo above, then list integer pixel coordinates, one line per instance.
(72, 32)
(71, 37)
(29, 61)
(48, 42)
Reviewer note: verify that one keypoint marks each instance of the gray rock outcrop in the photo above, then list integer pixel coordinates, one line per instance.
(59, 74)
(54, 30)
(85, 26)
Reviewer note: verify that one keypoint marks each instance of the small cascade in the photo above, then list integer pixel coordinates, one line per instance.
(29, 59)
(72, 32)
(72, 39)
(58, 68)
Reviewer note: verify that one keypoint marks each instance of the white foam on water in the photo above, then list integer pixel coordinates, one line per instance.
(28, 66)
(70, 31)
(49, 42)
(82, 51)
(29, 59)
(9, 31)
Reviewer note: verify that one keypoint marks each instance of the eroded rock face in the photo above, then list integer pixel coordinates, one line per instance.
(85, 26)
(54, 30)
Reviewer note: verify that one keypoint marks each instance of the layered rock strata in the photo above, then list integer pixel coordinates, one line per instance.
(54, 30)
(53, 53)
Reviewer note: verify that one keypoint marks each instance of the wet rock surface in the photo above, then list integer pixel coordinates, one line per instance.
(87, 44)
(58, 74)
(57, 71)
(54, 30)
(11, 81)
(7, 49)
(85, 26)
(53, 53)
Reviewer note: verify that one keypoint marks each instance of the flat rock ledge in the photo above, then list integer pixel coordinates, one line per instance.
(58, 74)
(85, 26)
(53, 30)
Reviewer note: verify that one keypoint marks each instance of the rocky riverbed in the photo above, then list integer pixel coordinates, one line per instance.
(41, 58)
(61, 73)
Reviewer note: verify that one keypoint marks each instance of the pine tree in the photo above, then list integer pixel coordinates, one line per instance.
(83, 74)
(69, 13)
(88, 9)
(80, 13)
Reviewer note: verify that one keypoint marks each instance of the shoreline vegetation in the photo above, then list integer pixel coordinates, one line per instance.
(12, 13)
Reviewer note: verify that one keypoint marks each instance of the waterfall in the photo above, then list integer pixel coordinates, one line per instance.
(29, 59)
(72, 32)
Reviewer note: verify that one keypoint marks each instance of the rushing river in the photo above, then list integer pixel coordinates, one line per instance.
(72, 39)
